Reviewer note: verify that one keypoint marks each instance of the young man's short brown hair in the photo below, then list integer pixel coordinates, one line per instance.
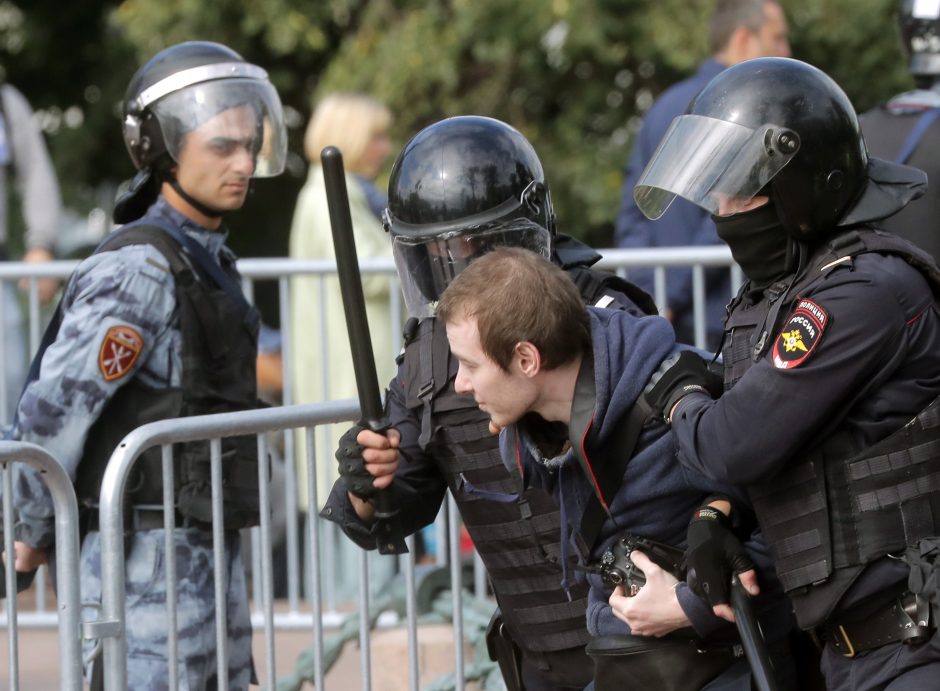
(517, 295)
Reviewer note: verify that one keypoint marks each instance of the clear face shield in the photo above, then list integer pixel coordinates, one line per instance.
(426, 266)
(717, 165)
(230, 113)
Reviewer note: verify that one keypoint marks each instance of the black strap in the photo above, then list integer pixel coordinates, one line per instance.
(611, 477)
(426, 378)
(606, 479)
(594, 284)
(140, 228)
(201, 256)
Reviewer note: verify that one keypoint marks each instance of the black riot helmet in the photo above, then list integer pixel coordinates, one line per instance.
(177, 91)
(919, 23)
(776, 127)
(459, 188)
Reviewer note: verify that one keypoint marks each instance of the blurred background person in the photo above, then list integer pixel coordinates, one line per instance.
(905, 128)
(739, 30)
(24, 160)
(321, 366)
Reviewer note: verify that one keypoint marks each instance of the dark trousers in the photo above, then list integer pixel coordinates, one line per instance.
(893, 667)
(559, 670)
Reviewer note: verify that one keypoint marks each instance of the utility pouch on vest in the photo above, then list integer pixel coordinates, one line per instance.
(793, 513)
(924, 579)
(239, 465)
(504, 652)
(664, 664)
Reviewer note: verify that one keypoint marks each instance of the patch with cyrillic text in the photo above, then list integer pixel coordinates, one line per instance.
(800, 335)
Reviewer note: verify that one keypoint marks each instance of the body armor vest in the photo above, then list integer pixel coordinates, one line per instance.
(219, 349)
(517, 540)
(842, 506)
(517, 535)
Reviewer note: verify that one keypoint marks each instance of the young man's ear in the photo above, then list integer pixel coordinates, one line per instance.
(527, 358)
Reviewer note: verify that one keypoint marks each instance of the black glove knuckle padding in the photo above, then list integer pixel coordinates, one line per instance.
(352, 466)
(714, 553)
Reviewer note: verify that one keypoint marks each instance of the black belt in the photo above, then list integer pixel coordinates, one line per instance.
(905, 619)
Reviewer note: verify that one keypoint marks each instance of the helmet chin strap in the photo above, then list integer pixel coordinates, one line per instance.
(195, 203)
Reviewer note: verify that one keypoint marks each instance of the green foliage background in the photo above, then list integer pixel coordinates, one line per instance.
(574, 75)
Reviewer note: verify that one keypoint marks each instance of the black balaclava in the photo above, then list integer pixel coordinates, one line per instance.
(759, 244)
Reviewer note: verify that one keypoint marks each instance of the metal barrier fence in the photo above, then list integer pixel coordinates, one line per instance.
(323, 611)
(210, 428)
(66, 559)
(110, 627)
(282, 270)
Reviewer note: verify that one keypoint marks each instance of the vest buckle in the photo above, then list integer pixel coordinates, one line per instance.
(845, 645)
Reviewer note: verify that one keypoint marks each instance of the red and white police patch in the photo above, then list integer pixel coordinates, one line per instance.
(119, 351)
(800, 335)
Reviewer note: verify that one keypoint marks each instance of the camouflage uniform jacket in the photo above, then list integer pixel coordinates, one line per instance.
(119, 322)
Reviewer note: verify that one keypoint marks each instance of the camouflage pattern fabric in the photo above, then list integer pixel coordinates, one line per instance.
(120, 323)
(148, 666)
(114, 295)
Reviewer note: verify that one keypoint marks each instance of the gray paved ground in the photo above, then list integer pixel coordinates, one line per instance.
(39, 670)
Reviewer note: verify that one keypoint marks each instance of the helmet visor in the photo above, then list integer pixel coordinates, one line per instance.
(230, 116)
(715, 164)
(426, 266)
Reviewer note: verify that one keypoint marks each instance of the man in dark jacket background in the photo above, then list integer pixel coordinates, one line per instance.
(905, 129)
(738, 30)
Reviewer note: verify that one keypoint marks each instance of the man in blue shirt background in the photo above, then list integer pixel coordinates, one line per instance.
(739, 30)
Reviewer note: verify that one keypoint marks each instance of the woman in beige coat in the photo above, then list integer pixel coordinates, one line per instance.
(320, 362)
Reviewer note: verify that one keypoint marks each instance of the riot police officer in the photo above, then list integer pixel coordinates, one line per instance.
(905, 129)
(152, 326)
(832, 346)
(458, 188)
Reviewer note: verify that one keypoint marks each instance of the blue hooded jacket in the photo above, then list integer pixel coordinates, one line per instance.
(657, 496)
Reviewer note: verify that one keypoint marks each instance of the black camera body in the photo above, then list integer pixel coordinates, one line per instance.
(616, 567)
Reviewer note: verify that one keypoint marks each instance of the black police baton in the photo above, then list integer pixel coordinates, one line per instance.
(354, 305)
(752, 640)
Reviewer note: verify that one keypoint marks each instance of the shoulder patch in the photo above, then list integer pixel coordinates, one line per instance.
(120, 349)
(800, 335)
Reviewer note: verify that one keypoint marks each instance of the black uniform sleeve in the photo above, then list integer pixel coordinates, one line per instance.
(879, 310)
(418, 488)
(419, 485)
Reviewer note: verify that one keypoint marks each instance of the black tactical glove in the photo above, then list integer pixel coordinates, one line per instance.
(24, 579)
(352, 466)
(713, 554)
(679, 375)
